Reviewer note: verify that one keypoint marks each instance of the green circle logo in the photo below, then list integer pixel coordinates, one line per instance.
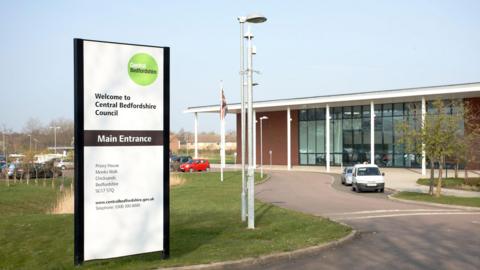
(142, 69)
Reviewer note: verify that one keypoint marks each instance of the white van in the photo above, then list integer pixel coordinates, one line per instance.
(367, 177)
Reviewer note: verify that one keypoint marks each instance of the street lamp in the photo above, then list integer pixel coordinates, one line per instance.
(261, 144)
(55, 137)
(256, 18)
(251, 18)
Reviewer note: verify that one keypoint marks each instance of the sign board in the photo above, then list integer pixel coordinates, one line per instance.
(121, 149)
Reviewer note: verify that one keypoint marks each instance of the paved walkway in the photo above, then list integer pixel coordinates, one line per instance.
(392, 235)
(399, 179)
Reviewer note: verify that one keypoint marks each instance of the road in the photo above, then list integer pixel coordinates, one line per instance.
(392, 235)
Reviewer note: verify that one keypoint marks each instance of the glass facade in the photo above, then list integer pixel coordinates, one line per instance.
(350, 135)
(312, 136)
(388, 151)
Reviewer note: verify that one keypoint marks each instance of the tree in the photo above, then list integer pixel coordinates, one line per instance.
(438, 137)
(468, 151)
(27, 165)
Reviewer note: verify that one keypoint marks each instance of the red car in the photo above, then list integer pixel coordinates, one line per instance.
(195, 165)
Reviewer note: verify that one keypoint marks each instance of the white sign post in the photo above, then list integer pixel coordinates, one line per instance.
(121, 150)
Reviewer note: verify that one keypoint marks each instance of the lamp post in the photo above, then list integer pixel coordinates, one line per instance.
(55, 137)
(261, 144)
(252, 18)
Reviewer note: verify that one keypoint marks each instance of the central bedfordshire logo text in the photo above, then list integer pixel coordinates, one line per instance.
(142, 69)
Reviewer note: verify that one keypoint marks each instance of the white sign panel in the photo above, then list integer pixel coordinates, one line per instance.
(121, 117)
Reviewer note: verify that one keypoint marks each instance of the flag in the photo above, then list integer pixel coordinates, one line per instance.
(223, 106)
(223, 113)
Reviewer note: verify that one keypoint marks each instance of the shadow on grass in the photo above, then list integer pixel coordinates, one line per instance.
(192, 232)
(261, 211)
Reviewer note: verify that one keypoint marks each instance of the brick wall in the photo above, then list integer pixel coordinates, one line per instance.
(274, 137)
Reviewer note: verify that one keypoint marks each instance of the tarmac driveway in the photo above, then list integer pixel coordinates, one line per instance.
(392, 235)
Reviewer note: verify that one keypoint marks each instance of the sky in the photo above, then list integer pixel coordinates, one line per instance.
(306, 48)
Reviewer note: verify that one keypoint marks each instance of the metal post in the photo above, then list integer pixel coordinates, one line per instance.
(254, 138)
(261, 147)
(327, 135)
(372, 133)
(242, 118)
(289, 141)
(270, 152)
(196, 135)
(251, 123)
(424, 160)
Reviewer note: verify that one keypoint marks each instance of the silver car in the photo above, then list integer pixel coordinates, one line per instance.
(347, 176)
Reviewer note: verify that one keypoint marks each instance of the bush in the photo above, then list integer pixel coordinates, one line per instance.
(472, 181)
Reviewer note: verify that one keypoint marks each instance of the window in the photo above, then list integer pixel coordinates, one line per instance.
(347, 112)
(378, 110)
(365, 171)
(320, 136)
(337, 113)
(350, 134)
(387, 110)
(303, 115)
(320, 114)
(303, 136)
(311, 137)
(398, 109)
(366, 111)
(357, 112)
(311, 114)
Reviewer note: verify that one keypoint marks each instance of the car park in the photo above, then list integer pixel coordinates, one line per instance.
(36, 170)
(64, 164)
(176, 161)
(11, 170)
(367, 177)
(195, 165)
(347, 176)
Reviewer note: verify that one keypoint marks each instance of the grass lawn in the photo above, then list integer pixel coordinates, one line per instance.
(205, 227)
(415, 196)
(471, 184)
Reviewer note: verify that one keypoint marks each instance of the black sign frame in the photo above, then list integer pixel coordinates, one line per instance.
(79, 142)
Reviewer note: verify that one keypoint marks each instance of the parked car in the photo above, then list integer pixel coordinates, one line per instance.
(37, 170)
(64, 164)
(11, 170)
(195, 165)
(176, 161)
(347, 176)
(367, 177)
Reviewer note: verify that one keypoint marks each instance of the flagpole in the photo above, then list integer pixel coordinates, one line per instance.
(222, 131)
